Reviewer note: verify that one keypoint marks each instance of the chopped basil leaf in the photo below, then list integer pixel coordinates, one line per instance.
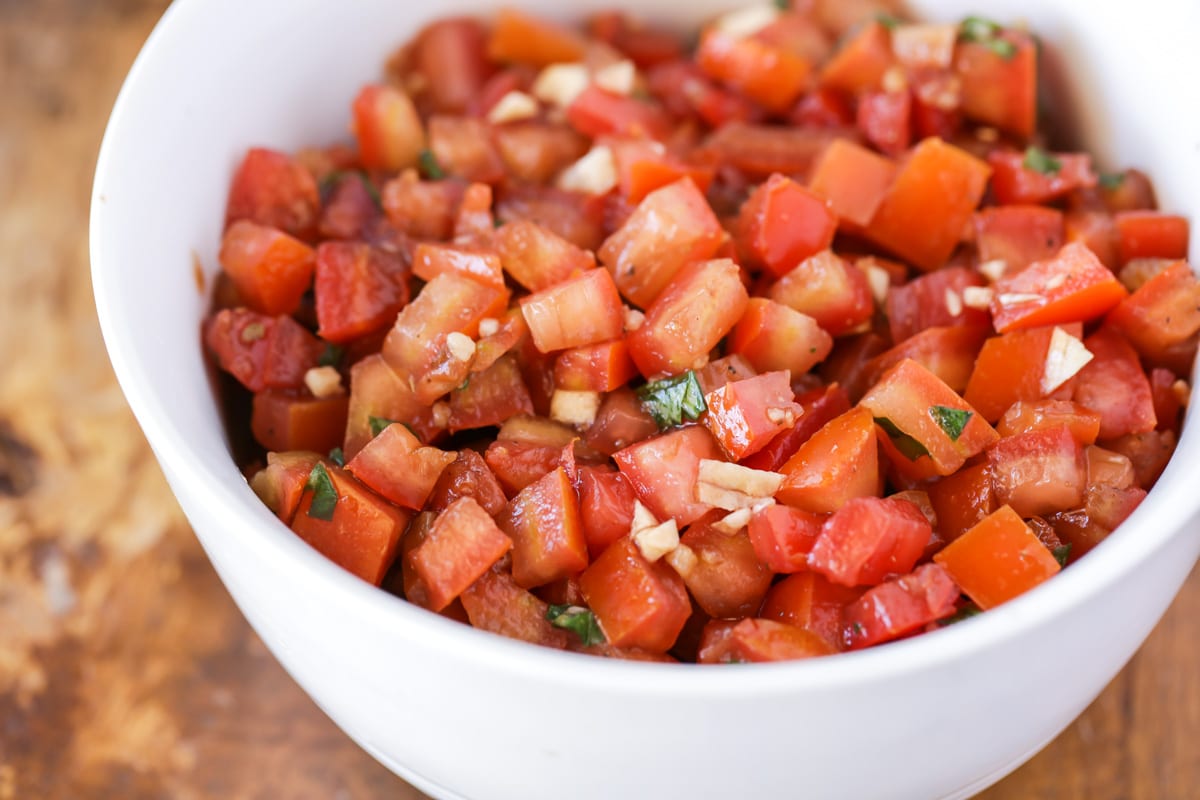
(324, 496)
(331, 356)
(672, 400)
(909, 447)
(1001, 47)
(951, 420)
(430, 167)
(1039, 160)
(887, 20)
(378, 424)
(337, 456)
(858, 628)
(783, 5)
(577, 619)
(987, 33)
(1112, 180)
(966, 612)
(1061, 554)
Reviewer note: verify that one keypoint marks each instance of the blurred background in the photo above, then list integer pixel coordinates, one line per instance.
(125, 669)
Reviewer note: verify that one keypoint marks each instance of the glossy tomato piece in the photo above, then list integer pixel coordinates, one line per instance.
(900, 607)
(281, 484)
(1039, 472)
(743, 416)
(620, 422)
(449, 55)
(461, 546)
(577, 312)
(422, 209)
(606, 501)
(961, 499)
(854, 179)
(1018, 235)
(289, 419)
(395, 465)
(496, 603)
(761, 150)
(359, 289)
(947, 352)
(525, 39)
(270, 269)
(819, 406)
(868, 539)
(275, 190)
(1000, 89)
(388, 128)
(772, 336)
(759, 640)
(934, 300)
(595, 368)
(689, 318)
(685, 91)
(722, 572)
(479, 263)
(1114, 385)
(886, 120)
(1024, 416)
(1163, 313)
(1014, 181)
(536, 258)
(1151, 234)
(518, 464)
(489, 397)
(829, 289)
(998, 559)
(771, 76)
(859, 64)
(783, 536)
(840, 461)
(1072, 286)
(596, 112)
(663, 471)
(468, 475)
(637, 603)
(463, 147)
(262, 352)
(808, 600)
(782, 223)
(544, 524)
(351, 208)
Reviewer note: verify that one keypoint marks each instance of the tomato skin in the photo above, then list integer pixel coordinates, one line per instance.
(359, 289)
(273, 189)
(1018, 235)
(949, 353)
(478, 263)
(1039, 472)
(721, 371)
(1163, 312)
(830, 290)
(1072, 286)
(496, 603)
(760, 640)
(819, 407)
(772, 336)
(900, 606)
(544, 524)
(672, 227)
(996, 90)
(860, 63)
(596, 112)
(1015, 183)
(885, 119)
(744, 416)
(280, 484)
(998, 559)
(854, 179)
(1024, 416)
(519, 464)
(448, 53)
(724, 577)
(961, 499)
(606, 501)
(521, 38)
(489, 397)
(468, 475)
(363, 533)
(839, 462)
(663, 471)
(422, 209)
(766, 74)
(644, 165)
(1114, 385)
(270, 269)
(868, 539)
(388, 128)
(689, 318)
(262, 352)
(808, 600)
(463, 147)
(637, 603)
(395, 465)
(921, 303)
(285, 419)
(783, 537)
(782, 223)
(595, 368)
(578, 312)
(461, 546)
(536, 258)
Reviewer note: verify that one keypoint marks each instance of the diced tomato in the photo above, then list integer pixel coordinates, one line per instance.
(1114, 385)
(854, 179)
(1167, 401)
(536, 258)
(1038, 472)
(900, 606)
(933, 300)
(1036, 415)
(935, 108)
(868, 539)
(1151, 234)
(1012, 367)
(362, 535)
(596, 112)
(685, 91)
(1107, 468)
(727, 369)
(998, 559)
(663, 471)
(351, 209)
(1163, 312)
(933, 196)
(1097, 230)
(496, 603)
(519, 37)
(449, 55)
(462, 545)
(859, 64)
(536, 151)
(772, 336)
(807, 600)
(489, 397)
(519, 464)
(286, 419)
(722, 572)
(745, 415)
(961, 499)
(797, 33)
(760, 640)
(544, 524)
(949, 353)
(822, 108)
(416, 346)
(1073, 286)
(766, 74)
(1015, 183)
(388, 128)
(761, 150)
(620, 422)
(463, 147)
(595, 368)
(830, 290)
(1018, 235)
(637, 603)
(395, 465)
(467, 476)
(783, 536)
(272, 189)
(672, 227)
(270, 269)
(819, 406)
(839, 462)
(912, 402)
(644, 165)
(577, 312)
(422, 209)
(885, 119)
(1133, 192)
(691, 315)
(262, 352)
(848, 362)
(606, 501)
(1000, 89)
(359, 289)
(782, 223)
(280, 484)
(481, 264)
(645, 46)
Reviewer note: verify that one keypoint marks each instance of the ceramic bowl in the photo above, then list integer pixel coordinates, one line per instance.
(464, 714)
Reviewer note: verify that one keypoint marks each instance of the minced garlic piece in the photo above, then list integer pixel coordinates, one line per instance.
(994, 270)
(323, 382)
(978, 297)
(595, 173)
(574, 407)
(618, 78)
(1065, 356)
(489, 326)
(560, 84)
(732, 486)
(513, 107)
(461, 346)
(746, 22)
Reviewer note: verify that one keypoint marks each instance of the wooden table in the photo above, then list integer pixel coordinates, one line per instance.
(125, 669)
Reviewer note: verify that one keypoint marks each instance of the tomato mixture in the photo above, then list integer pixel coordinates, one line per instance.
(795, 340)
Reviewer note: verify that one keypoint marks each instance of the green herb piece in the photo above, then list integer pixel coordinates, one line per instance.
(1001, 47)
(1039, 160)
(337, 456)
(331, 180)
(253, 332)
(1112, 180)
(672, 400)
(783, 5)
(987, 33)
(378, 424)
(951, 420)
(858, 628)
(966, 612)
(577, 619)
(887, 20)
(324, 495)
(1061, 554)
(430, 167)
(909, 447)
(735, 660)
(331, 356)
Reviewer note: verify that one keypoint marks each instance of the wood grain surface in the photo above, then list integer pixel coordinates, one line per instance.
(125, 669)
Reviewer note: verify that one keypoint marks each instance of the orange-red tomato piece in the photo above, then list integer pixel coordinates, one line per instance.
(899, 607)
(461, 546)
(998, 559)
(270, 269)
(637, 603)
(868, 539)
(1072, 286)
(839, 462)
(544, 524)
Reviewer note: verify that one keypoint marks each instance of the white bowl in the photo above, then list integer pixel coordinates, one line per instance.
(460, 713)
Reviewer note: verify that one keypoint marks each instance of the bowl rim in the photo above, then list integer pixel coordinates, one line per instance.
(1161, 517)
